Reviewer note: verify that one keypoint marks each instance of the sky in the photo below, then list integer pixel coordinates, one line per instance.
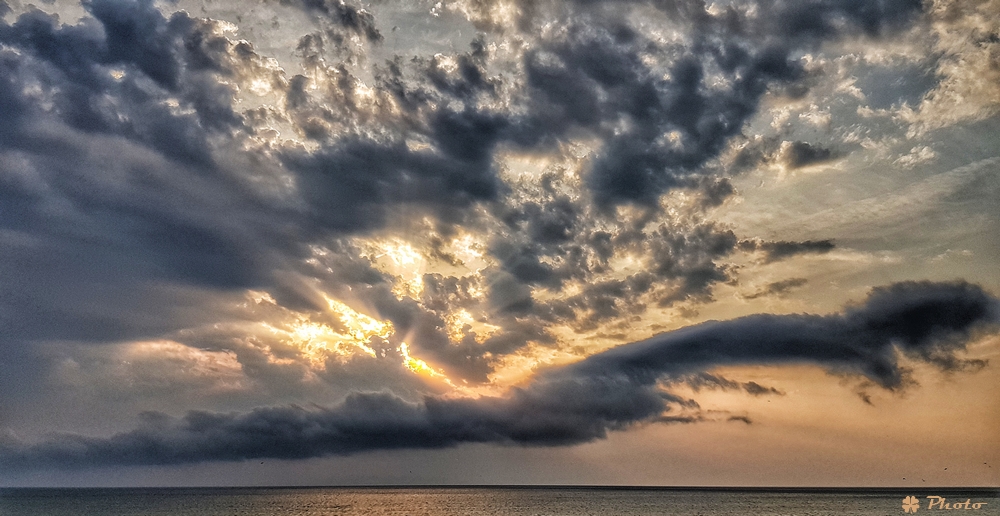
(593, 242)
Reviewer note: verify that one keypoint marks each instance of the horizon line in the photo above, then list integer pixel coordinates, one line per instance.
(610, 487)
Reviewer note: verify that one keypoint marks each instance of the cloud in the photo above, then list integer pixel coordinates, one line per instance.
(778, 288)
(965, 38)
(755, 389)
(342, 200)
(798, 154)
(114, 190)
(790, 155)
(130, 177)
(572, 404)
(703, 380)
(663, 110)
(144, 163)
(342, 14)
(780, 250)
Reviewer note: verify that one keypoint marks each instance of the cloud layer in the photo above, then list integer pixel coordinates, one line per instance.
(143, 165)
(577, 403)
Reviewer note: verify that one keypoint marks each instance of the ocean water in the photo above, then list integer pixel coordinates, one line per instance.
(491, 501)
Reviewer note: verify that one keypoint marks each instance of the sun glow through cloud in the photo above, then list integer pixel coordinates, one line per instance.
(319, 341)
(400, 259)
(415, 364)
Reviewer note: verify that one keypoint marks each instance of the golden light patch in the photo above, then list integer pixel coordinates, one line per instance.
(456, 322)
(446, 63)
(470, 251)
(421, 368)
(361, 327)
(524, 166)
(364, 93)
(260, 86)
(400, 259)
(318, 341)
(415, 364)
(411, 288)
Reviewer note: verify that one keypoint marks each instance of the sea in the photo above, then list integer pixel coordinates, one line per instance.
(493, 501)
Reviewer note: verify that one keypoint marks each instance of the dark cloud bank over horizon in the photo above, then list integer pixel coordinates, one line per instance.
(577, 403)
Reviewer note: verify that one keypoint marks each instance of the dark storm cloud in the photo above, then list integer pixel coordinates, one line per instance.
(351, 187)
(343, 15)
(791, 155)
(469, 79)
(682, 264)
(716, 191)
(110, 183)
(921, 319)
(554, 241)
(507, 294)
(596, 79)
(367, 165)
(601, 301)
(661, 111)
(602, 75)
(351, 183)
(73, 63)
(124, 183)
(800, 154)
(691, 259)
(572, 404)
(129, 210)
(820, 18)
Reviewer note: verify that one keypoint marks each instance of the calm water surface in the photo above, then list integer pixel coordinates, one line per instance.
(475, 502)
